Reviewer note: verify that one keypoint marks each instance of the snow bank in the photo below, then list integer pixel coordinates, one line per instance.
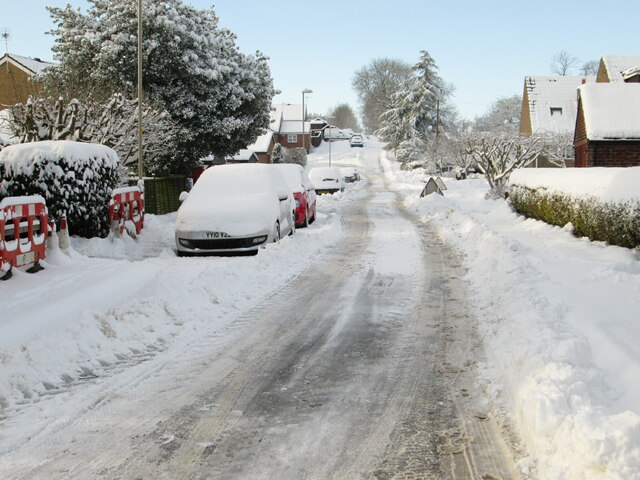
(606, 184)
(21, 158)
(559, 319)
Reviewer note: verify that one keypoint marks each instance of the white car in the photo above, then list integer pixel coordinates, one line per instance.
(233, 209)
(326, 179)
(357, 141)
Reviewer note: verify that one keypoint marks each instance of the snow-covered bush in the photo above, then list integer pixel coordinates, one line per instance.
(296, 155)
(601, 204)
(277, 156)
(74, 178)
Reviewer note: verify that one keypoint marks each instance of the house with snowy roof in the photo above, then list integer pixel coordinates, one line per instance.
(16, 78)
(293, 131)
(286, 128)
(549, 106)
(608, 125)
(618, 69)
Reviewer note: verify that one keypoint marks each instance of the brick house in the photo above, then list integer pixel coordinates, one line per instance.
(285, 128)
(16, 78)
(292, 132)
(607, 132)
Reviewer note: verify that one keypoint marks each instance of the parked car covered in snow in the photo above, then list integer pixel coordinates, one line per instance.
(303, 190)
(233, 209)
(350, 174)
(357, 141)
(327, 180)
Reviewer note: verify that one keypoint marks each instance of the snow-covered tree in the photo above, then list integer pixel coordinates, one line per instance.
(498, 155)
(557, 148)
(277, 156)
(192, 68)
(502, 116)
(295, 155)
(113, 124)
(417, 110)
(396, 126)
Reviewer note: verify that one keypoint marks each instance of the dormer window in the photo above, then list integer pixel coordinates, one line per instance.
(556, 111)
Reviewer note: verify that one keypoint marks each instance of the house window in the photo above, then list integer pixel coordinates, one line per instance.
(292, 138)
(556, 111)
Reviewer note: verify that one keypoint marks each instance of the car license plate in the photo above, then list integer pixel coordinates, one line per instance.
(25, 259)
(217, 235)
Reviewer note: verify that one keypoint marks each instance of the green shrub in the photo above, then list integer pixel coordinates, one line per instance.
(614, 223)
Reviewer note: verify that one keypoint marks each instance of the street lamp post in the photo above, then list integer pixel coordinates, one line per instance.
(306, 90)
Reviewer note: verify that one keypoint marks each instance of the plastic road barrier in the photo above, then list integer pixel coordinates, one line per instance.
(23, 233)
(126, 205)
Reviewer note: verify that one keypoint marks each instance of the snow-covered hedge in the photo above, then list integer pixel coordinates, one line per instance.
(74, 178)
(599, 203)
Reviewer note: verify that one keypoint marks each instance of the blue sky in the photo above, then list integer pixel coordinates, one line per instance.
(484, 48)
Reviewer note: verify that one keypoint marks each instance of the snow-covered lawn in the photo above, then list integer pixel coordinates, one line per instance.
(560, 320)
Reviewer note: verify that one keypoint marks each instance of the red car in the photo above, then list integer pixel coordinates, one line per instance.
(303, 192)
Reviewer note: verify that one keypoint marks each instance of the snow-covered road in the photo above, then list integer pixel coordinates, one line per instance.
(437, 336)
(360, 366)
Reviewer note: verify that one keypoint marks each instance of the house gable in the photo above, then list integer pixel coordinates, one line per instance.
(549, 104)
(16, 72)
(612, 67)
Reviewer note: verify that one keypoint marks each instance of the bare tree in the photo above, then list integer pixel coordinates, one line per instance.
(562, 63)
(497, 156)
(590, 68)
(557, 148)
(375, 84)
(343, 116)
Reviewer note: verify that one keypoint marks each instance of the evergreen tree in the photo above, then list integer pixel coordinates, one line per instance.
(418, 111)
(219, 97)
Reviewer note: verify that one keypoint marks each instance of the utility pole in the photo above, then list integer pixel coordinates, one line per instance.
(304, 115)
(140, 170)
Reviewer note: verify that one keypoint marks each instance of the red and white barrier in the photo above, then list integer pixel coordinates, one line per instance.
(126, 206)
(23, 232)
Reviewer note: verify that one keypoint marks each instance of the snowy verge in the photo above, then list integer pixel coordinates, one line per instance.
(558, 316)
(95, 308)
(606, 184)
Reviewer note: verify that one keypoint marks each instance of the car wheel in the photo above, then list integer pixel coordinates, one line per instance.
(276, 232)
